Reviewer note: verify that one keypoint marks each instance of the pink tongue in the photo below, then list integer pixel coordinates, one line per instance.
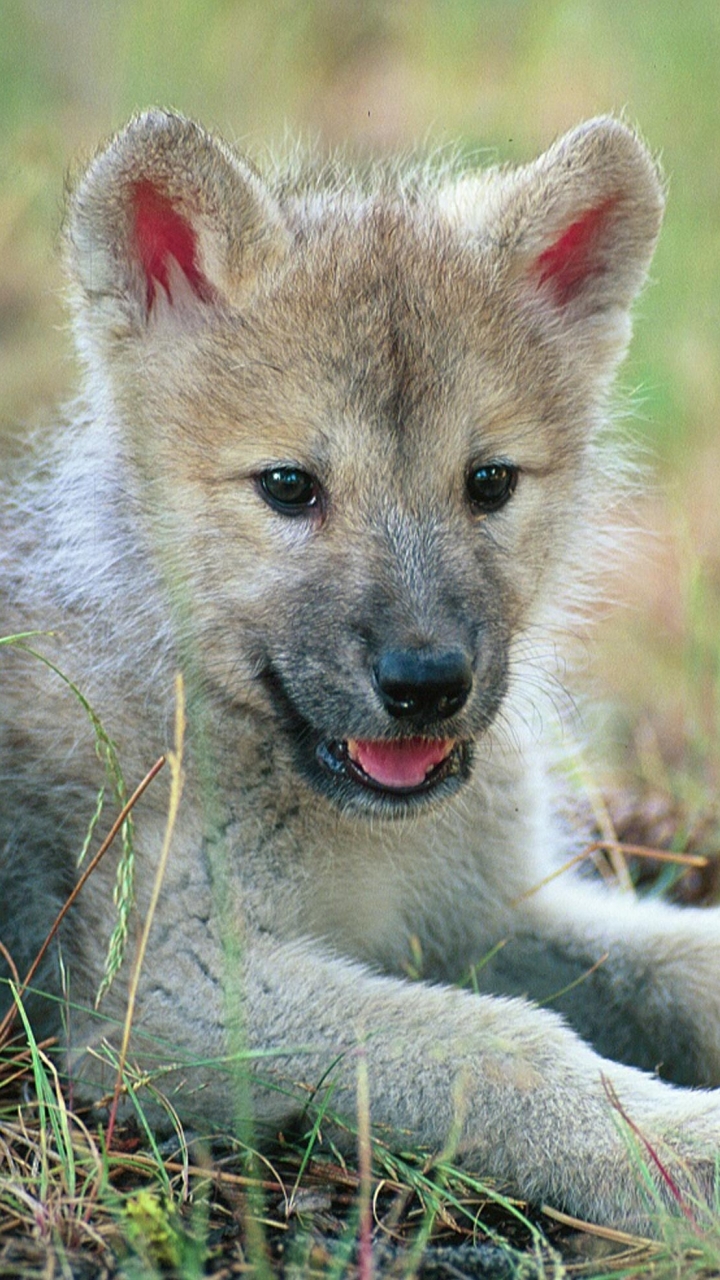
(399, 764)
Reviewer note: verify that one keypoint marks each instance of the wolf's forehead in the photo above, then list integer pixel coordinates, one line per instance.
(386, 328)
(385, 302)
(404, 265)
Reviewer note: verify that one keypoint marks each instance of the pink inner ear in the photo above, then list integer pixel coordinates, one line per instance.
(162, 233)
(575, 256)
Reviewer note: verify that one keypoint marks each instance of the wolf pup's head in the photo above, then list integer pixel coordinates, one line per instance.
(358, 415)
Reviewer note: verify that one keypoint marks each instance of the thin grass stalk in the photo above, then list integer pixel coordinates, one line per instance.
(174, 759)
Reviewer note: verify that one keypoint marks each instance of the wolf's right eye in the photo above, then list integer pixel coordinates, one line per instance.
(289, 490)
(490, 486)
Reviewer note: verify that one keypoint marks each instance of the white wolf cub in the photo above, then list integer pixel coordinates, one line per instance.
(337, 458)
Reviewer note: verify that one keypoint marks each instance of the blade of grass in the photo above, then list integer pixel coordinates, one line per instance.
(365, 1259)
(51, 1107)
(107, 753)
(174, 759)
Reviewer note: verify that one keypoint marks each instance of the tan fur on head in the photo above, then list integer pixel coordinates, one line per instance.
(277, 317)
(337, 459)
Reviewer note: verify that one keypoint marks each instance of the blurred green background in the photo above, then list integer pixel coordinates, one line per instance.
(501, 76)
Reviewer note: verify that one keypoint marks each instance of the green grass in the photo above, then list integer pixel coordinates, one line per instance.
(72, 1198)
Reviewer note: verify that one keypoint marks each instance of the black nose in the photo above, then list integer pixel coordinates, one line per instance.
(415, 682)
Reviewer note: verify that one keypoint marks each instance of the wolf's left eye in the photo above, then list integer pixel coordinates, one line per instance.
(289, 490)
(489, 486)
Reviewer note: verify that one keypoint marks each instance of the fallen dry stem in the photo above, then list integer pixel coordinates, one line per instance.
(633, 850)
(220, 1177)
(604, 1233)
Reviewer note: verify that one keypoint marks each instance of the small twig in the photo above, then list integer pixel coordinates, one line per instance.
(142, 1163)
(634, 850)
(117, 824)
(644, 851)
(592, 1229)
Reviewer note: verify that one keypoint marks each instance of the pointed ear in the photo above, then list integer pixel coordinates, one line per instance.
(574, 232)
(167, 220)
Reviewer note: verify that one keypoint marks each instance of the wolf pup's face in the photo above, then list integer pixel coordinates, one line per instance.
(360, 421)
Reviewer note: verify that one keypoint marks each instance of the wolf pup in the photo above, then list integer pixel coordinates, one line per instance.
(337, 457)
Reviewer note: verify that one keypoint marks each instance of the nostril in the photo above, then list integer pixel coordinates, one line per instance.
(416, 682)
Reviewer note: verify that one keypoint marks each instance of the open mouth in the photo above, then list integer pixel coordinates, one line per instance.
(395, 767)
(393, 773)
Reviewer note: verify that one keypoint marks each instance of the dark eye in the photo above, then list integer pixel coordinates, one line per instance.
(490, 486)
(289, 490)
